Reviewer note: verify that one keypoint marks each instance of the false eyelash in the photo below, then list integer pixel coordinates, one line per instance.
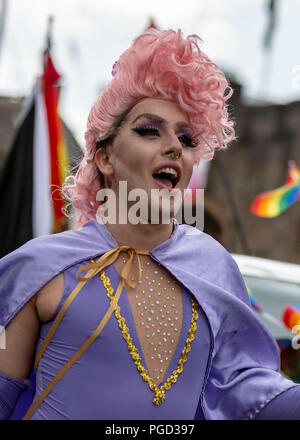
(153, 131)
(146, 131)
(188, 140)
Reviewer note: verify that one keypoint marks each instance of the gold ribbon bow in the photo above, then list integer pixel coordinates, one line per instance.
(109, 258)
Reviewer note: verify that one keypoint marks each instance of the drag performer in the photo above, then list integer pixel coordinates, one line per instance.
(140, 320)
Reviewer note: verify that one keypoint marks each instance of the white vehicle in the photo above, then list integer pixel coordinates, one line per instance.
(274, 285)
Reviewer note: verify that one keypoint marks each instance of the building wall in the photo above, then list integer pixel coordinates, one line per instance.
(10, 109)
(268, 137)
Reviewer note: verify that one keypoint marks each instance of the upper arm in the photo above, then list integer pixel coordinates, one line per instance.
(23, 330)
(21, 336)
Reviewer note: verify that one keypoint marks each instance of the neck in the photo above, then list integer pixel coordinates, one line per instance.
(140, 236)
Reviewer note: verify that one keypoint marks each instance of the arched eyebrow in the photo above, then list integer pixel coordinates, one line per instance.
(156, 118)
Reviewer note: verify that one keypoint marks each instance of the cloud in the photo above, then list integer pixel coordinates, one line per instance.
(219, 36)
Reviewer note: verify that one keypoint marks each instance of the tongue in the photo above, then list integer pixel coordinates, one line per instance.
(164, 181)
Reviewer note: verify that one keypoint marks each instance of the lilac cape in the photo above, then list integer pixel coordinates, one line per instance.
(243, 367)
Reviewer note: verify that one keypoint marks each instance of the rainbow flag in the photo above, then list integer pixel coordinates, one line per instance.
(35, 168)
(57, 145)
(272, 203)
(253, 301)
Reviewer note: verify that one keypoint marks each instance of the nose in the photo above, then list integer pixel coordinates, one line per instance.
(173, 153)
(173, 147)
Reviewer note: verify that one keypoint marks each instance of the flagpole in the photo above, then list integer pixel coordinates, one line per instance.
(49, 32)
(48, 45)
(57, 145)
(266, 66)
(265, 74)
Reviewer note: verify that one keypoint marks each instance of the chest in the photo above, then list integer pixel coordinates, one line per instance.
(156, 305)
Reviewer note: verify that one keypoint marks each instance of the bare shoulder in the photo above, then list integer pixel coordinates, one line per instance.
(48, 298)
(23, 330)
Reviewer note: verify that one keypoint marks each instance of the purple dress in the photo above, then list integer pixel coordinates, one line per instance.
(105, 379)
(232, 371)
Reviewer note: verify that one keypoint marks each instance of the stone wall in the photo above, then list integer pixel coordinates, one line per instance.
(268, 137)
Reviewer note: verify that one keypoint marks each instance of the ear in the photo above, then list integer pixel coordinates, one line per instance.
(103, 159)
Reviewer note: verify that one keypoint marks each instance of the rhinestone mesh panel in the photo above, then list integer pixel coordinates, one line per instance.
(156, 306)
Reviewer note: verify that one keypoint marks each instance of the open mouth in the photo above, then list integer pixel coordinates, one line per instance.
(167, 177)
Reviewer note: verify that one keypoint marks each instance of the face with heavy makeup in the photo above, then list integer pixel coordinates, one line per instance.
(153, 149)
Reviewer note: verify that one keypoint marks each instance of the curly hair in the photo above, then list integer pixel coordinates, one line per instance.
(160, 64)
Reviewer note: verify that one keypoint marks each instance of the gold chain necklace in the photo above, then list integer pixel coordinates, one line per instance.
(159, 392)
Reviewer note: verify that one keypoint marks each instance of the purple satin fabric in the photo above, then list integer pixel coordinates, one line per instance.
(286, 406)
(10, 390)
(243, 361)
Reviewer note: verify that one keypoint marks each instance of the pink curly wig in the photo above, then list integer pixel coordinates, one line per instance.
(160, 64)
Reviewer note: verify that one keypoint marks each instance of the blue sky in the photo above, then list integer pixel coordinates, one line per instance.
(89, 35)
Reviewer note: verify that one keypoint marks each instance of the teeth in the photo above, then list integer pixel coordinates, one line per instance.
(168, 170)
